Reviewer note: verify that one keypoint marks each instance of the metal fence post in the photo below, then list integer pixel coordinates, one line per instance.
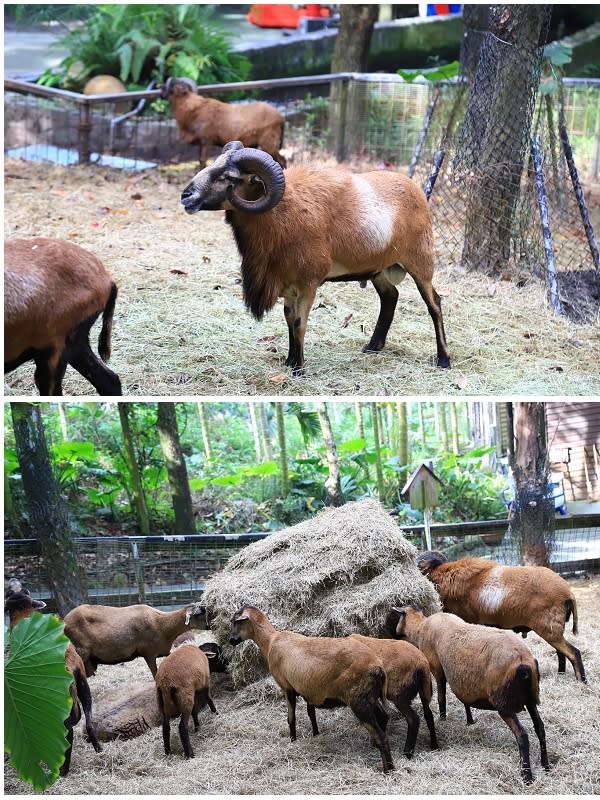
(84, 131)
(340, 128)
(138, 571)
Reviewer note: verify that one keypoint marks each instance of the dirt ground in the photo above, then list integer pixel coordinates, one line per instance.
(181, 327)
(245, 749)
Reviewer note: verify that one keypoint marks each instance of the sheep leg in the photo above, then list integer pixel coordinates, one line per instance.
(434, 306)
(564, 650)
(211, 705)
(184, 735)
(85, 696)
(80, 356)
(540, 732)
(50, 367)
(388, 298)
(369, 720)
(151, 661)
(67, 762)
(412, 719)
(430, 723)
(470, 720)
(290, 696)
(312, 715)
(296, 310)
(440, 680)
(520, 735)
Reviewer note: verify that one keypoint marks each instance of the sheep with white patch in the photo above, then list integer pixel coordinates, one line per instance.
(111, 635)
(299, 228)
(486, 668)
(522, 598)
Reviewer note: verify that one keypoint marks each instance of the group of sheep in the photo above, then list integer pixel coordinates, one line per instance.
(295, 229)
(486, 664)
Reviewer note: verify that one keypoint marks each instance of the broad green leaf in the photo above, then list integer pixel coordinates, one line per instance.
(444, 72)
(37, 699)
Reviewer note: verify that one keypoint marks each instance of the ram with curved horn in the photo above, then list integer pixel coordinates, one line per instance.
(299, 228)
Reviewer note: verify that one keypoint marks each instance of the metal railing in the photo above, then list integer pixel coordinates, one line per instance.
(169, 571)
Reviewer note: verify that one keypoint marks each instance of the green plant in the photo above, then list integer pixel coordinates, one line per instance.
(36, 699)
(436, 73)
(470, 491)
(142, 42)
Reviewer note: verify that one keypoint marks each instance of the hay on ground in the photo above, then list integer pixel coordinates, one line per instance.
(338, 573)
(181, 327)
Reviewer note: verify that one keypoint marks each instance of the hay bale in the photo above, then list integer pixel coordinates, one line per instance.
(336, 574)
(126, 712)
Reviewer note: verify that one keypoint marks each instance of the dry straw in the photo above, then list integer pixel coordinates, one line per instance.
(245, 749)
(338, 573)
(182, 329)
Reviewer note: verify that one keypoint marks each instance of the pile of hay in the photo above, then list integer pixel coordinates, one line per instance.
(338, 573)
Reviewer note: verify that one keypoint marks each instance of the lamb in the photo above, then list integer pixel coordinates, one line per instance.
(19, 604)
(326, 672)
(522, 598)
(111, 635)
(182, 689)
(298, 229)
(53, 293)
(408, 674)
(486, 668)
(205, 121)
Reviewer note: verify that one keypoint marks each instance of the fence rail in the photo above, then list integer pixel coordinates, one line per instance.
(168, 571)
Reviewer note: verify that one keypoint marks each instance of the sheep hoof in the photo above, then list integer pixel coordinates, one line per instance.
(443, 363)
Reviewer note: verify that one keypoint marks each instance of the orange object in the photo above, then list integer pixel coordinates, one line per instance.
(280, 15)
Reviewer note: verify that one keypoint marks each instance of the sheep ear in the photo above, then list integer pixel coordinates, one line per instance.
(401, 611)
(242, 618)
(208, 654)
(38, 604)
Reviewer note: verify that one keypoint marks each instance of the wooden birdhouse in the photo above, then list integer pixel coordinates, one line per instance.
(422, 492)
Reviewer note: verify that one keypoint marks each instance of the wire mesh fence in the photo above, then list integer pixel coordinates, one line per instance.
(169, 571)
(376, 121)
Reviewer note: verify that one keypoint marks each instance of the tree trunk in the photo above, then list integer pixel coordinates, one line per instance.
(47, 509)
(454, 428)
(168, 434)
(403, 439)
(138, 497)
(350, 54)
(255, 432)
(495, 134)
(267, 445)
(360, 423)
(333, 487)
(443, 423)
(532, 520)
(205, 429)
(475, 24)
(377, 444)
(422, 434)
(283, 459)
(352, 43)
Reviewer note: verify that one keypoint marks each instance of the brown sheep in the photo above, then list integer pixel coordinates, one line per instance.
(486, 668)
(205, 121)
(111, 635)
(19, 604)
(522, 598)
(182, 689)
(408, 674)
(299, 228)
(326, 672)
(53, 293)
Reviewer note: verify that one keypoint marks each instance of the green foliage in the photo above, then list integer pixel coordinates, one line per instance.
(437, 73)
(556, 55)
(147, 41)
(470, 491)
(37, 699)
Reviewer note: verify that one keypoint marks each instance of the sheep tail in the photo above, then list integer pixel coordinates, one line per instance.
(571, 608)
(104, 340)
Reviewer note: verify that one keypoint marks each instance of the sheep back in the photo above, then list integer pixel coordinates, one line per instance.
(48, 274)
(180, 675)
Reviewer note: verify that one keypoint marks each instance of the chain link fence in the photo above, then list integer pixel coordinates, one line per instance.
(169, 571)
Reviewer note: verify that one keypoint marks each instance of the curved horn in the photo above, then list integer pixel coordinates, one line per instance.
(261, 164)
